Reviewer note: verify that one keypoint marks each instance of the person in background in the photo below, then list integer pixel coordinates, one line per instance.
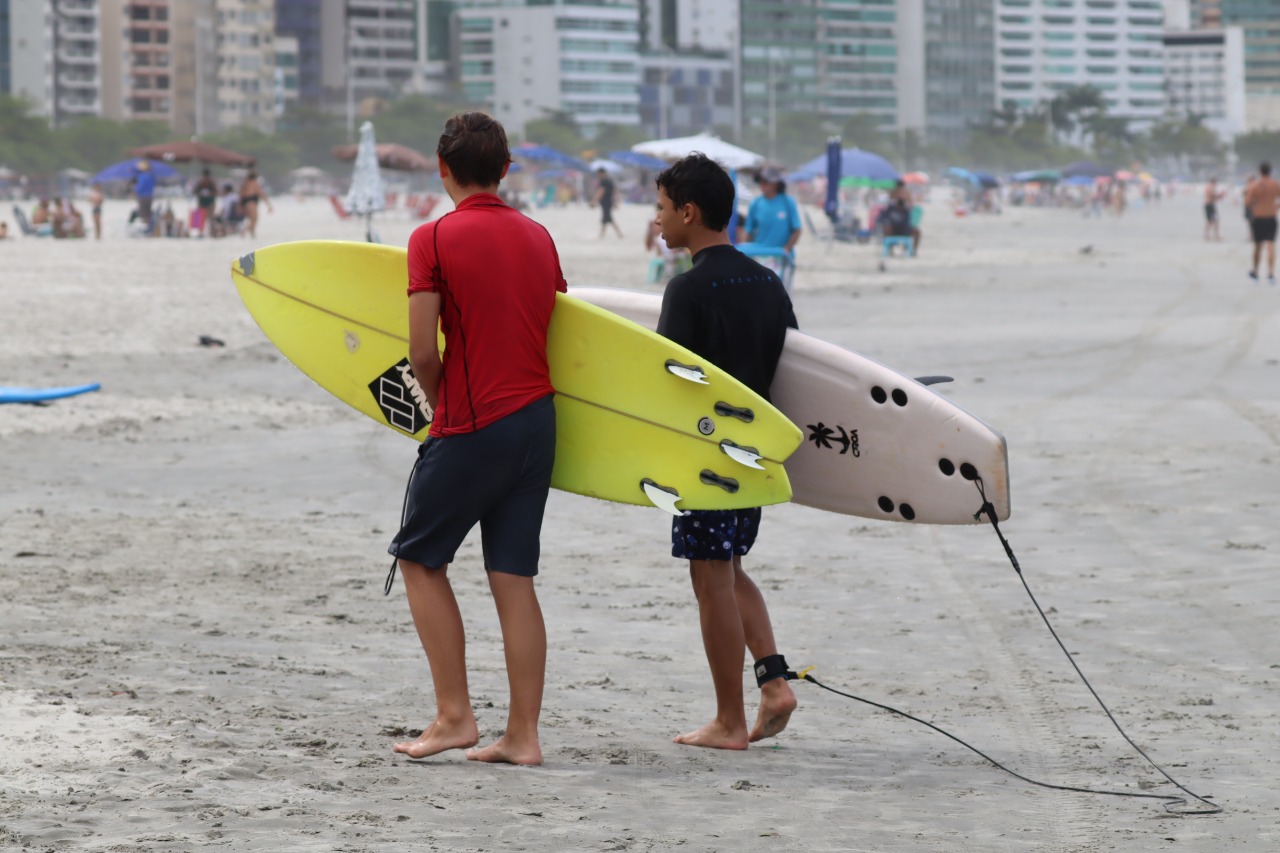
(95, 209)
(206, 193)
(773, 220)
(144, 190)
(251, 195)
(4, 230)
(606, 196)
(1263, 202)
(1213, 195)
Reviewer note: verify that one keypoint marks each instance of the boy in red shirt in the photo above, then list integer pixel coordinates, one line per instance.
(487, 276)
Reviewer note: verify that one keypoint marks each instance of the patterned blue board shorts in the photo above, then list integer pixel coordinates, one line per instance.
(714, 534)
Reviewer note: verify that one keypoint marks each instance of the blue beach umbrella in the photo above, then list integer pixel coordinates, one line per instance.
(637, 160)
(861, 167)
(548, 155)
(831, 206)
(127, 170)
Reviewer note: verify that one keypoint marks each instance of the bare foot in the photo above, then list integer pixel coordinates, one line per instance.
(503, 752)
(777, 701)
(439, 737)
(715, 735)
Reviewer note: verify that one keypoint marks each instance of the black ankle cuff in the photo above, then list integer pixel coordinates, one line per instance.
(771, 667)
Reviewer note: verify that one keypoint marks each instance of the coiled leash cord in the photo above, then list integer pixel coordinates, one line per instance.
(1172, 803)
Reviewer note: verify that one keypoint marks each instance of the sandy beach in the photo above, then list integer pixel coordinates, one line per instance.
(196, 652)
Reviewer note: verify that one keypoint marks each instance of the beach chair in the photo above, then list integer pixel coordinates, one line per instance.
(338, 206)
(425, 206)
(775, 258)
(889, 243)
(828, 238)
(29, 230)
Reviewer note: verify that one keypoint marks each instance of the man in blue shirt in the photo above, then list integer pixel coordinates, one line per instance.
(144, 189)
(773, 220)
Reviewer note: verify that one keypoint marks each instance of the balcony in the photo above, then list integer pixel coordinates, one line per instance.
(77, 81)
(72, 105)
(77, 9)
(71, 56)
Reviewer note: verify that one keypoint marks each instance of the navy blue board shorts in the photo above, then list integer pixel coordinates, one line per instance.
(720, 534)
(497, 477)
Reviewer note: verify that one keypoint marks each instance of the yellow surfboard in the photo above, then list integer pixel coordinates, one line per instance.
(639, 419)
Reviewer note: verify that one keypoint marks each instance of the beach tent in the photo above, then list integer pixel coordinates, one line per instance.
(726, 154)
(857, 168)
(184, 151)
(638, 161)
(125, 171)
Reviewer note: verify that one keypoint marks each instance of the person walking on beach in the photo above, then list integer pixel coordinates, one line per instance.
(606, 194)
(206, 193)
(95, 209)
(251, 195)
(488, 276)
(1212, 195)
(735, 313)
(1262, 202)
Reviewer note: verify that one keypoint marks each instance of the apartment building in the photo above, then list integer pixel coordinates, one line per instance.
(959, 67)
(578, 56)
(1046, 46)
(1260, 22)
(1204, 76)
(245, 34)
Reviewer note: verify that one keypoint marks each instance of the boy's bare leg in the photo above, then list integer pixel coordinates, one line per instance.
(439, 623)
(524, 643)
(777, 699)
(722, 638)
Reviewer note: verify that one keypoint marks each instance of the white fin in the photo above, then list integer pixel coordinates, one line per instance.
(742, 455)
(661, 498)
(693, 374)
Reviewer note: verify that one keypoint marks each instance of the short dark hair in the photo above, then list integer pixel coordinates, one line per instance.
(699, 180)
(474, 147)
(1265, 168)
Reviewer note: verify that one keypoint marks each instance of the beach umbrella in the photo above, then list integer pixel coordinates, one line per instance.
(1037, 176)
(831, 205)
(985, 180)
(368, 194)
(726, 154)
(857, 168)
(915, 178)
(184, 151)
(1079, 181)
(637, 160)
(1124, 175)
(399, 158)
(534, 153)
(126, 170)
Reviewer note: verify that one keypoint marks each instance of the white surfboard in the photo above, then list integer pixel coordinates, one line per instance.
(878, 444)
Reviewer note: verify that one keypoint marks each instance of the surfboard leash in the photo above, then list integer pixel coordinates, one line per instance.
(1173, 803)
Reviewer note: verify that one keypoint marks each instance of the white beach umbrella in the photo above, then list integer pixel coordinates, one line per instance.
(726, 154)
(367, 195)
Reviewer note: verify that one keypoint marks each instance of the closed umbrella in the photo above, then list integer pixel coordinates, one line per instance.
(368, 194)
(831, 206)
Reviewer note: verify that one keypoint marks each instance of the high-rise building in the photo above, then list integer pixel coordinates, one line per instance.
(1204, 77)
(684, 94)
(137, 59)
(580, 57)
(245, 34)
(778, 60)
(194, 27)
(959, 73)
(6, 80)
(384, 46)
(77, 59)
(303, 20)
(1044, 47)
(1260, 21)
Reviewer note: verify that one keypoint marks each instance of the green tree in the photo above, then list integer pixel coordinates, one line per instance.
(865, 131)
(558, 130)
(1073, 107)
(616, 137)
(27, 144)
(92, 143)
(1254, 147)
(275, 155)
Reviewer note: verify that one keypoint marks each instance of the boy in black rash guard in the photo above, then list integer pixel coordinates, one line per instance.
(735, 313)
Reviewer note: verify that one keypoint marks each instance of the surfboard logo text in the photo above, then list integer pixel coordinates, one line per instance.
(826, 437)
(400, 397)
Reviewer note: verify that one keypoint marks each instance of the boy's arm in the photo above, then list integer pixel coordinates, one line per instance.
(424, 346)
(678, 320)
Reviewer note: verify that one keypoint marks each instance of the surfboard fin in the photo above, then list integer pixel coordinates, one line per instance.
(934, 380)
(691, 372)
(742, 455)
(663, 498)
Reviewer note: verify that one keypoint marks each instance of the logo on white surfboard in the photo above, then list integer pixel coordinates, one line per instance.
(401, 398)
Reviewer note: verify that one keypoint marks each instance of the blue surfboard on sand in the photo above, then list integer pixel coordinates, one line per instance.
(41, 395)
